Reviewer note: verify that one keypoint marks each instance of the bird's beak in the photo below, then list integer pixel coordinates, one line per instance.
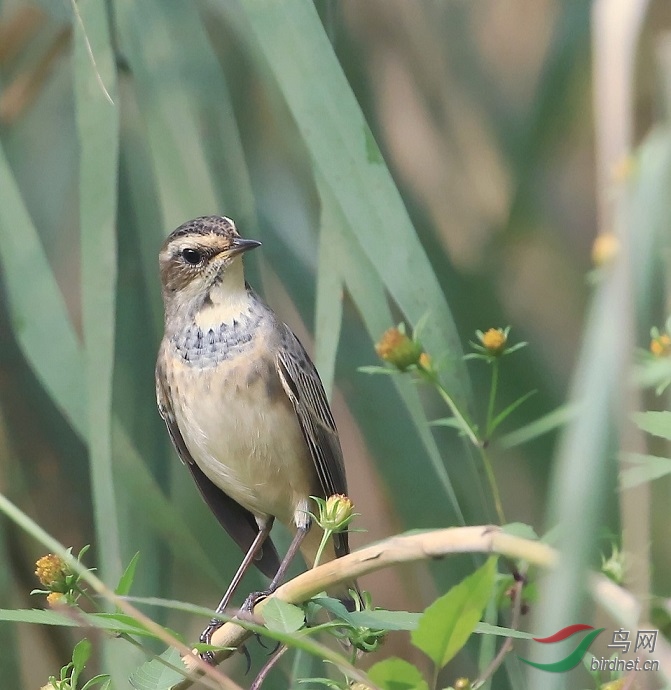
(240, 245)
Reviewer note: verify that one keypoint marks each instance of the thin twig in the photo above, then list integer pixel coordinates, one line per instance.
(508, 643)
(267, 668)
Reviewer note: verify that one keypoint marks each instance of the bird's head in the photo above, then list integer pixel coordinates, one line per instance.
(199, 256)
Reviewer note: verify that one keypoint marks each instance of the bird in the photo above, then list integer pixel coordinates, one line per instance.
(243, 404)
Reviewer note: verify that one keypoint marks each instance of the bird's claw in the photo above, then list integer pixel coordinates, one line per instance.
(253, 599)
(206, 638)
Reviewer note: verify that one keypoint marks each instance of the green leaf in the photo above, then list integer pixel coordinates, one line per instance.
(98, 135)
(37, 616)
(102, 678)
(283, 617)
(451, 422)
(543, 425)
(381, 619)
(501, 416)
(160, 673)
(487, 629)
(397, 674)
(80, 655)
(649, 468)
(655, 423)
(448, 623)
(126, 581)
(330, 288)
(520, 529)
(37, 310)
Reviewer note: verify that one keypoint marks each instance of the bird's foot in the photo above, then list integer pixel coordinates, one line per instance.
(206, 638)
(253, 599)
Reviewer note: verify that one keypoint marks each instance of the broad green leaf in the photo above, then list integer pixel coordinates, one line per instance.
(98, 134)
(647, 469)
(38, 314)
(397, 674)
(655, 423)
(345, 156)
(126, 581)
(447, 624)
(346, 159)
(160, 673)
(328, 311)
(381, 619)
(283, 617)
(186, 107)
(368, 294)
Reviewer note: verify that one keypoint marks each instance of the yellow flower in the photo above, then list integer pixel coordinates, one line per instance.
(494, 340)
(462, 684)
(337, 514)
(605, 248)
(51, 570)
(661, 345)
(425, 361)
(55, 598)
(398, 349)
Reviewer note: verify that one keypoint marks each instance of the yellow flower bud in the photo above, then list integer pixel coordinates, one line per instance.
(462, 684)
(338, 513)
(494, 341)
(605, 248)
(55, 598)
(425, 361)
(398, 349)
(661, 345)
(51, 570)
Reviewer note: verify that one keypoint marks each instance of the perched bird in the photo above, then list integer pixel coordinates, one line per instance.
(243, 403)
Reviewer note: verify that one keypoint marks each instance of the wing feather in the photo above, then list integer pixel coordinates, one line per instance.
(303, 386)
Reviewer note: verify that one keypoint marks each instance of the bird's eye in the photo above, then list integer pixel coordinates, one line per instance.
(191, 256)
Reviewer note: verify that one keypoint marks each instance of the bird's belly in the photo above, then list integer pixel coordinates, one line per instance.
(243, 433)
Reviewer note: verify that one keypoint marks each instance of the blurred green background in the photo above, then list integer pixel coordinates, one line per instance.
(396, 159)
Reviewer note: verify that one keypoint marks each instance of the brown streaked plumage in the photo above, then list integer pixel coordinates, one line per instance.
(243, 403)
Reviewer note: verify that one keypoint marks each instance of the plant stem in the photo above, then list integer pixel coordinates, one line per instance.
(467, 427)
(322, 545)
(469, 430)
(491, 478)
(492, 398)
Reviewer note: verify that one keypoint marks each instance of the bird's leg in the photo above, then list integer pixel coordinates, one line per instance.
(255, 597)
(216, 623)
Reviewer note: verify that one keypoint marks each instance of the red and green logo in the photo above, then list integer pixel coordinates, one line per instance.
(575, 657)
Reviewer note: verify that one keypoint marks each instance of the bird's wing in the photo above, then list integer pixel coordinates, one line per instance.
(303, 386)
(235, 519)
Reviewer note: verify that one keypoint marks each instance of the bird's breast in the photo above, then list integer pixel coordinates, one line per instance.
(236, 420)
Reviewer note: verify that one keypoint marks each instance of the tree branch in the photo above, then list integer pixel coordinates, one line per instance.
(399, 549)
